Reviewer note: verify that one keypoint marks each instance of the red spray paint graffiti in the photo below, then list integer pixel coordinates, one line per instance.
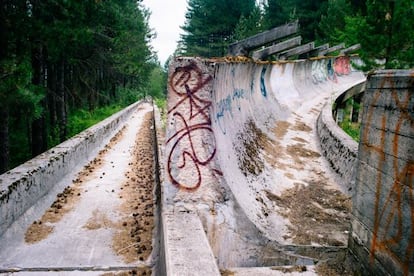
(393, 233)
(342, 65)
(193, 145)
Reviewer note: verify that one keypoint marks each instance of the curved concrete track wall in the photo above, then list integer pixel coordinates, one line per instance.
(269, 94)
(340, 149)
(239, 136)
(23, 186)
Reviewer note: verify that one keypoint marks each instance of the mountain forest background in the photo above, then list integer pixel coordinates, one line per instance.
(65, 64)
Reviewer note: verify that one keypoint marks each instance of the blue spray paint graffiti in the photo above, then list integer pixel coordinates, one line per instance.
(226, 105)
(262, 82)
(234, 100)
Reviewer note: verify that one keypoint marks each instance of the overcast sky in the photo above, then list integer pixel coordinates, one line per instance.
(166, 18)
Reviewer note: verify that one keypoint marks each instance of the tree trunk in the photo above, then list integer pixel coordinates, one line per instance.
(51, 88)
(39, 134)
(4, 114)
(4, 140)
(3, 31)
(61, 101)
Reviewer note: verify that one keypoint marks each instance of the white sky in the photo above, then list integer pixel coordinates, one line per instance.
(166, 18)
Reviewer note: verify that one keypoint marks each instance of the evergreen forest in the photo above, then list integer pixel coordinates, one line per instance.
(66, 64)
(384, 28)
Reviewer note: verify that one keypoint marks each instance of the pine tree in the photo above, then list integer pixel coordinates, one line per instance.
(60, 55)
(385, 34)
(333, 21)
(308, 13)
(250, 25)
(275, 14)
(210, 25)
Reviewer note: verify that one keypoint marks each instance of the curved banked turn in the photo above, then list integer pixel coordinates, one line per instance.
(242, 155)
(245, 186)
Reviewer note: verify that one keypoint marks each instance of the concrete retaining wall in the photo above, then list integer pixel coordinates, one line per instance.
(339, 149)
(383, 205)
(23, 186)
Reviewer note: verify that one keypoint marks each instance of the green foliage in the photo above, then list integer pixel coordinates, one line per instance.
(275, 14)
(352, 129)
(249, 25)
(127, 96)
(161, 103)
(157, 85)
(19, 142)
(64, 55)
(82, 119)
(210, 25)
(385, 34)
(308, 13)
(332, 23)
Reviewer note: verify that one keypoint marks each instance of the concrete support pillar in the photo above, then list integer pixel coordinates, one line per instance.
(382, 234)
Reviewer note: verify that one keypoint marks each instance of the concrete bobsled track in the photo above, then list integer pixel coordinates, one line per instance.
(87, 206)
(245, 185)
(252, 177)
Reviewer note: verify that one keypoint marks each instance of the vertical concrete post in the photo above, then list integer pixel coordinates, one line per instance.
(190, 144)
(382, 236)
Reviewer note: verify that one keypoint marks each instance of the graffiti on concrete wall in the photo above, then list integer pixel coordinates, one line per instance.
(232, 102)
(227, 104)
(319, 71)
(328, 69)
(393, 233)
(192, 145)
(262, 82)
(342, 65)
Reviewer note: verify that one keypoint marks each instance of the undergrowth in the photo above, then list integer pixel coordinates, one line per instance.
(80, 120)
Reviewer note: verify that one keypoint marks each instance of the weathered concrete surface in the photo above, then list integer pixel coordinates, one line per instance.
(293, 93)
(383, 224)
(190, 245)
(267, 271)
(23, 186)
(190, 85)
(339, 149)
(232, 131)
(80, 235)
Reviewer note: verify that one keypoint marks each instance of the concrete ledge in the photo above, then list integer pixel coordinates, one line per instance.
(340, 150)
(23, 186)
(271, 271)
(187, 250)
(159, 267)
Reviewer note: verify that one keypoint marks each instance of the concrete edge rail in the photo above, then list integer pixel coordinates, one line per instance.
(159, 246)
(23, 186)
(184, 246)
(339, 149)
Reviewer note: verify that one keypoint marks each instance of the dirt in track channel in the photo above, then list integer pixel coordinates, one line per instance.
(102, 218)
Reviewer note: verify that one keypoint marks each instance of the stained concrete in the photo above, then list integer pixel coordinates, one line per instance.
(24, 185)
(75, 245)
(383, 223)
(218, 114)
